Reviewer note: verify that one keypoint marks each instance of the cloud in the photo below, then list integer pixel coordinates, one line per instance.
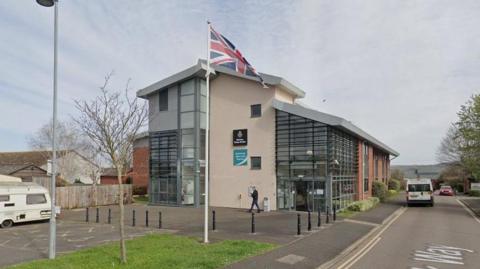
(398, 69)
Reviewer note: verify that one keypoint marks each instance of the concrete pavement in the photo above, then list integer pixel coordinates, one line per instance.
(322, 245)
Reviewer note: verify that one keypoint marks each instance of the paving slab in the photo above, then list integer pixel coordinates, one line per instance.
(29, 241)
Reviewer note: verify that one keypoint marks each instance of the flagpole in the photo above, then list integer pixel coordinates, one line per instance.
(207, 138)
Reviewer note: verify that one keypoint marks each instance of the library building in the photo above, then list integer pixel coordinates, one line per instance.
(297, 158)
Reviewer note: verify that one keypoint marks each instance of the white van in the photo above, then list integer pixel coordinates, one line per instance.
(419, 191)
(22, 202)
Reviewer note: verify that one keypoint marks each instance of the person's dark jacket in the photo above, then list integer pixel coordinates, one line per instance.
(255, 195)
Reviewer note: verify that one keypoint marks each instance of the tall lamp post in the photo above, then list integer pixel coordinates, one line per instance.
(52, 237)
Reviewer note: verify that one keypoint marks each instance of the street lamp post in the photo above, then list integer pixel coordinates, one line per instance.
(52, 237)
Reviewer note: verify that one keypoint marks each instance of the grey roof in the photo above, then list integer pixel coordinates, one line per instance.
(7, 169)
(199, 70)
(332, 121)
(431, 171)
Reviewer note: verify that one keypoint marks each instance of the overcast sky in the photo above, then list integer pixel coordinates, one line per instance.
(397, 69)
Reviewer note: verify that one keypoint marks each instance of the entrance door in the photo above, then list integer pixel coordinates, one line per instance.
(303, 197)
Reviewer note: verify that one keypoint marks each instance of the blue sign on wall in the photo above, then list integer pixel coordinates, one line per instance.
(240, 157)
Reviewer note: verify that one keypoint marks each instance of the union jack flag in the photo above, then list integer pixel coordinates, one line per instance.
(224, 53)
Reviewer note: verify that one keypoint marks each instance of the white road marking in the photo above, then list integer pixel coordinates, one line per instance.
(361, 222)
(441, 254)
(362, 252)
(91, 229)
(81, 239)
(468, 210)
(3, 244)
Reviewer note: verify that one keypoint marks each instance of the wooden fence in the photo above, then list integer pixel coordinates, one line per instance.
(83, 196)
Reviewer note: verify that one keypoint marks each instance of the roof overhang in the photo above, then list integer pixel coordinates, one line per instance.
(199, 70)
(332, 120)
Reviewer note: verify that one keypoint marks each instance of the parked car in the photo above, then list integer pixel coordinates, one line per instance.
(446, 190)
(419, 191)
(23, 202)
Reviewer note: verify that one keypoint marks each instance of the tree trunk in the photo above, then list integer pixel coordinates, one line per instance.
(123, 249)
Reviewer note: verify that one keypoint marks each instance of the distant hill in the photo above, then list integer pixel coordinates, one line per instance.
(431, 171)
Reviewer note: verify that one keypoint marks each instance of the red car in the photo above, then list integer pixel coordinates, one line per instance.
(446, 190)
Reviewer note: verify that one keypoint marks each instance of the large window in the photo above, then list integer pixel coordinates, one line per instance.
(163, 100)
(307, 153)
(343, 166)
(163, 167)
(365, 167)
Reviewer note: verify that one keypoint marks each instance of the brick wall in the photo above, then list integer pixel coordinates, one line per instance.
(140, 170)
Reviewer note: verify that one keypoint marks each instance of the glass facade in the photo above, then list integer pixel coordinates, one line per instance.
(177, 157)
(163, 167)
(308, 155)
(343, 163)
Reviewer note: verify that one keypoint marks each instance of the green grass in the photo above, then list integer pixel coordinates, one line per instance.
(141, 199)
(156, 251)
(347, 213)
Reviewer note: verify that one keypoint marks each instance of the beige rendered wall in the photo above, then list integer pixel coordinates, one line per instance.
(230, 99)
(284, 96)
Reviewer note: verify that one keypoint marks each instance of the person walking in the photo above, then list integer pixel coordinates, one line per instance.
(254, 200)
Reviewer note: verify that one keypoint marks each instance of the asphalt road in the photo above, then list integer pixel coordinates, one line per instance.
(445, 236)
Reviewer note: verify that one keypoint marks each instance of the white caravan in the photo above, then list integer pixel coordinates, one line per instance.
(22, 202)
(419, 191)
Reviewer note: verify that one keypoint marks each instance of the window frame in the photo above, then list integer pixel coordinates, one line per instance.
(256, 113)
(257, 158)
(5, 195)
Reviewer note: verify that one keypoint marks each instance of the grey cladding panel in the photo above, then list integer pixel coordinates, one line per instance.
(163, 120)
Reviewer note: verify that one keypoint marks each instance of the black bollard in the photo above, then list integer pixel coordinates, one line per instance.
(334, 213)
(133, 218)
(319, 218)
(97, 216)
(160, 220)
(328, 215)
(109, 216)
(86, 215)
(298, 225)
(253, 223)
(146, 218)
(309, 221)
(213, 221)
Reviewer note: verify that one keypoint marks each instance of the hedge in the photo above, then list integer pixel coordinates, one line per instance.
(379, 190)
(475, 193)
(394, 184)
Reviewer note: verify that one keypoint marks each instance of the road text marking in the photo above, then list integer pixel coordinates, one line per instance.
(441, 254)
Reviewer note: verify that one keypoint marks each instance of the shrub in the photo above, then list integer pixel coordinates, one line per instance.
(379, 190)
(475, 193)
(364, 205)
(394, 184)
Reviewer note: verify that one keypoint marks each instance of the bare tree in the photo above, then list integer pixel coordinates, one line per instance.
(68, 140)
(449, 151)
(112, 121)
